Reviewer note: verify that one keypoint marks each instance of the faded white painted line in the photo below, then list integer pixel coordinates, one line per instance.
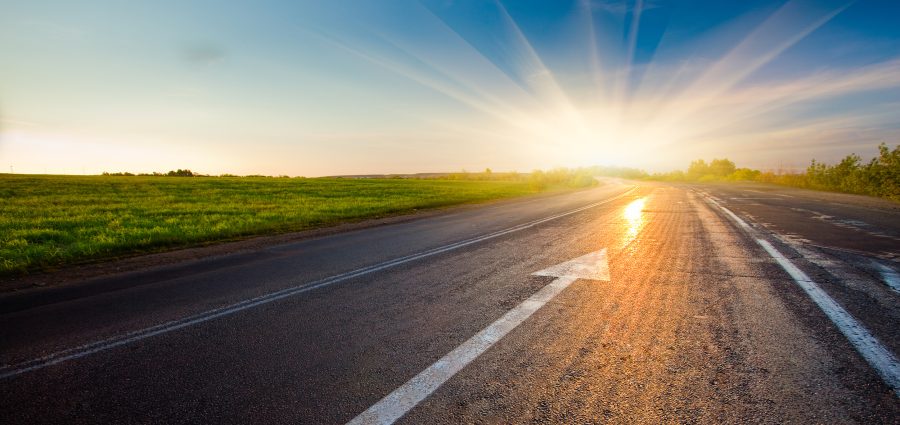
(734, 217)
(768, 193)
(877, 355)
(400, 401)
(7, 371)
(891, 278)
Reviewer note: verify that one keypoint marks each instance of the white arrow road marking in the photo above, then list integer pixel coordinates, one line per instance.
(593, 266)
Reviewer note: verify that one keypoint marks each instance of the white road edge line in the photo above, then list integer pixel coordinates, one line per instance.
(880, 358)
(8, 371)
(889, 276)
(403, 399)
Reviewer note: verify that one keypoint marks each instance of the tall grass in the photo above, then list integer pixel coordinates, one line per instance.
(47, 221)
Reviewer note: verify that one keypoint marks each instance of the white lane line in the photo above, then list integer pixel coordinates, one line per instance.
(7, 371)
(880, 358)
(398, 402)
(891, 278)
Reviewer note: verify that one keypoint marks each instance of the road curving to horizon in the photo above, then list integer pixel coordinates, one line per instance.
(698, 316)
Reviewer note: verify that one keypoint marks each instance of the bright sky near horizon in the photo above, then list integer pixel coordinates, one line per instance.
(352, 87)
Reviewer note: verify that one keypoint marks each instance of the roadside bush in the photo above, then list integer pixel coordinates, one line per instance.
(879, 177)
(581, 177)
(744, 174)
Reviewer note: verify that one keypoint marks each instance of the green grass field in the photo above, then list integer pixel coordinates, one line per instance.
(48, 221)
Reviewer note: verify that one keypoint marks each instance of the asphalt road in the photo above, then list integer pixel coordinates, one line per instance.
(704, 310)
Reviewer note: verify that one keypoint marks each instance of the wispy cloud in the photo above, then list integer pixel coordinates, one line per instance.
(203, 53)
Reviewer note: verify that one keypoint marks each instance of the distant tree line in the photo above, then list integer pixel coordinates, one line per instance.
(537, 179)
(622, 172)
(174, 173)
(486, 175)
(188, 173)
(878, 177)
(716, 170)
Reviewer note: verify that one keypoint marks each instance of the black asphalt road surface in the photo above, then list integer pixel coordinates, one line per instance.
(697, 324)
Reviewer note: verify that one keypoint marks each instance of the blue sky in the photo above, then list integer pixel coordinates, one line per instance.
(349, 87)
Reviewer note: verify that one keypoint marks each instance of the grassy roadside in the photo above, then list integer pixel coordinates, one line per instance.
(48, 221)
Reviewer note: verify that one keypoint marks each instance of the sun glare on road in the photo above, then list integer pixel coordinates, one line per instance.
(634, 216)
